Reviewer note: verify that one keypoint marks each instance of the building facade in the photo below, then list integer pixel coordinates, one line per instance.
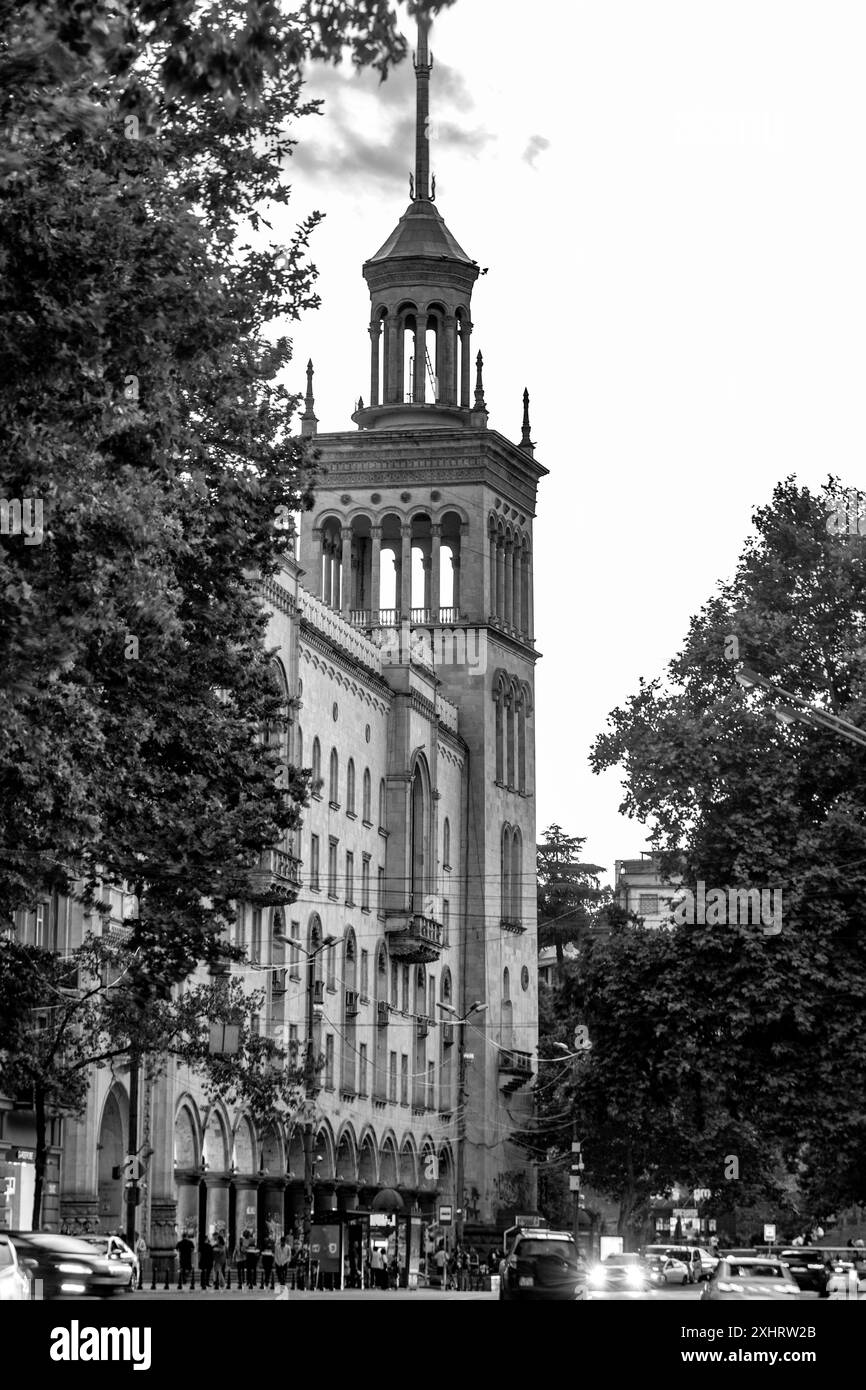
(405, 635)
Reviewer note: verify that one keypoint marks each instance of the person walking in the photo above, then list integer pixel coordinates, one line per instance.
(185, 1250)
(268, 1253)
(205, 1262)
(140, 1250)
(282, 1255)
(219, 1260)
(241, 1256)
(474, 1269)
(252, 1263)
(440, 1259)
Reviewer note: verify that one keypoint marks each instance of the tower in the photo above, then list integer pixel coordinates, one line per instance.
(421, 537)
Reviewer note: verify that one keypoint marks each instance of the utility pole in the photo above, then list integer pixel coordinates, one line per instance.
(476, 1008)
(132, 1191)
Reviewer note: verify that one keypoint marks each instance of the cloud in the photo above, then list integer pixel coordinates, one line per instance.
(537, 145)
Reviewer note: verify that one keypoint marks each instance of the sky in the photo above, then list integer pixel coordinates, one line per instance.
(669, 197)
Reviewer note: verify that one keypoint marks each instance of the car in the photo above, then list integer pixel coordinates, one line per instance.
(114, 1248)
(688, 1254)
(543, 1264)
(626, 1273)
(750, 1277)
(66, 1267)
(664, 1269)
(809, 1268)
(14, 1281)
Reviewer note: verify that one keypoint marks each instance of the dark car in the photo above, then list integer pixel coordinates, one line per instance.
(65, 1267)
(543, 1265)
(809, 1267)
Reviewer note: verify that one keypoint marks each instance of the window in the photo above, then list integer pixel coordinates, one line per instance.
(317, 768)
(350, 788)
(293, 1045)
(334, 780)
(362, 1069)
(648, 904)
(365, 972)
(446, 919)
(350, 878)
(332, 867)
(395, 984)
(509, 738)
(521, 743)
(382, 805)
(446, 845)
(431, 1086)
(368, 795)
(256, 936)
(506, 985)
(331, 955)
(505, 872)
(365, 883)
(380, 892)
(39, 926)
(446, 988)
(294, 952)
(405, 989)
(500, 737)
(392, 1077)
(516, 876)
(241, 935)
(300, 747)
(404, 1079)
(314, 863)
(329, 1062)
(431, 994)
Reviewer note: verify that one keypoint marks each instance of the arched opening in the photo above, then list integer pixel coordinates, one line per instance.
(418, 837)
(390, 563)
(499, 732)
(350, 788)
(446, 844)
(383, 805)
(334, 779)
(316, 765)
(380, 1061)
(367, 797)
(388, 1169)
(410, 326)
(509, 737)
(350, 1013)
(451, 531)
(112, 1154)
(505, 873)
(516, 877)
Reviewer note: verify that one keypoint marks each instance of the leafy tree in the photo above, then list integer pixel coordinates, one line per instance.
(568, 890)
(768, 1023)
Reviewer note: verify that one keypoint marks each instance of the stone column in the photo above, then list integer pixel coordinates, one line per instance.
(435, 570)
(518, 588)
(500, 578)
(466, 374)
(419, 385)
(393, 362)
(314, 578)
(491, 542)
(448, 380)
(347, 1195)
(375, 570)
(187, 1202)
(508, 577)
(346, 596)
(375, 335)
(217, 1211)
(457, 566)
(406, 573)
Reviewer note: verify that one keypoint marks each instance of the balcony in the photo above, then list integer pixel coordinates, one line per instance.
(412, 938)
(351, 1003)
(515, 1069)
(277, 879)
(512, 924)
(422, 1026)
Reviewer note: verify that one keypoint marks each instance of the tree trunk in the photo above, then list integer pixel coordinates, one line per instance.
(41, 1156)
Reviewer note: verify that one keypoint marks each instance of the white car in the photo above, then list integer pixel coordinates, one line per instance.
(667, 1269)
(14, 1282)
(115, 1249)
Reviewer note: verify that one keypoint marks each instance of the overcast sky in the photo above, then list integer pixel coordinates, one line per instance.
(669, 195)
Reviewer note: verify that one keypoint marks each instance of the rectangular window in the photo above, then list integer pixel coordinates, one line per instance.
(256, 936)
(380, 891)
(648, 904)
(431, 1007)
(405, 989)
(392, 1077)
(293, 1045)
(431, 1085)
(332, 967)
(332, 867)
(362, 1069)
(294, 952)
(395, 984)
(329, 1062)
(314, 862)
(404, 1080)
(241, 936)
(365, 883)
(350, 879)
(365, 972)
(446, 920)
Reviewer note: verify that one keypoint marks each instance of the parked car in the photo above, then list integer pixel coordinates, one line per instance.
(65, 1266)
(14, 1281)
(750, 1277)
(809, 1268)
(543, 1264)
(690, 1256)
(665, 1269)
(113, 1248)
(623, 1273)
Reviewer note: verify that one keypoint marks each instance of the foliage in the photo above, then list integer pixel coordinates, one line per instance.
(568, 890)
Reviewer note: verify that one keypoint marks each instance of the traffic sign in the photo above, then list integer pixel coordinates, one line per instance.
(575, 1147)
(769, 1232)
(574, 1184)
(446, 1216)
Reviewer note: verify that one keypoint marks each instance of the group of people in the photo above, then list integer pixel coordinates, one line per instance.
(261, 1266)
(462, 1268)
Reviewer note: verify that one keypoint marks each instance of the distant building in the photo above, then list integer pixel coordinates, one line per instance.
(641, 889)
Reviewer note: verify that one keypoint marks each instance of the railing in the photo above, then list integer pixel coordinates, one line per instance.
(449, 615)
(512, 924)
(333, 626)
(515, 1063)
(413, 938)
(388, 617)
(421, 615)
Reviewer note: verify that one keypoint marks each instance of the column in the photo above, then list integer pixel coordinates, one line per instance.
(406, 573)
(435, 570)
(500, 578)
(491, 542)
(419, 385)
(508, 577)
(448, 380)
(466, 374)
(217, 1209)
(346, 596)
(315, 577)
(457, 565)
(375, 570)
(530, 597)
(518, 589)
(375, 335)
(393, 359)
(427, 566)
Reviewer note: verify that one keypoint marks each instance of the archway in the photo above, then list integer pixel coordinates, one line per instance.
(112, 1153)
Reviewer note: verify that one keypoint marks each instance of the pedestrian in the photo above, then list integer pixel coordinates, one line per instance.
(268, 1264)
(140, 1249)
(440, 1259)
(241, 1256)
(253, 1253)
(474, 1269)
(380, 1267)
(205, 1262)
(219, 1260)
(282, 1255)
(185, 1250)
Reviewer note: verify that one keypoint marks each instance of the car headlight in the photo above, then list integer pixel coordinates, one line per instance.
(73, 1269)
(635, 1278)
(597, 1275)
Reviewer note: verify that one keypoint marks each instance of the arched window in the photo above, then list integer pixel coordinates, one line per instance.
(506, 1030)
(300, 753)
(509, 736)
(506, 984)
(368, 792)
(446, 987)
(383, 805)
(334, 789)
(516, 912)
(418, 841)
(314, 937)
(446, 844)
(521, 742)
(505, 872)
(317, 767)
(500, 735)
(350, 788)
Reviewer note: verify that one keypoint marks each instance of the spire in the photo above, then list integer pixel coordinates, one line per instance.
(526, 438)
(478, 417)
(423, 68)
(309, 422)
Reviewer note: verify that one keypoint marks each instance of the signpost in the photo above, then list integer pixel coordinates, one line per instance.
(446, 1216)
(769, 1233)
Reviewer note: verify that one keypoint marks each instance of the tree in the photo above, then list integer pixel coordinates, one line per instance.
(567, 891)
(772, 1023)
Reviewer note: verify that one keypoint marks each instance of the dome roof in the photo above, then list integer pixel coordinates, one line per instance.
(421, 231)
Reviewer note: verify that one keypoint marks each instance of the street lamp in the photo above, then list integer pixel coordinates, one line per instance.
(310, 1088)
(800, 709)
(460, 1019)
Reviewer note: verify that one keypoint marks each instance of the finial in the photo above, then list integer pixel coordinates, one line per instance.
(423, 67)
(309, 423)
(433, 190)
(480, 403)
(526, 439)
(360, 402)
(412, 187)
